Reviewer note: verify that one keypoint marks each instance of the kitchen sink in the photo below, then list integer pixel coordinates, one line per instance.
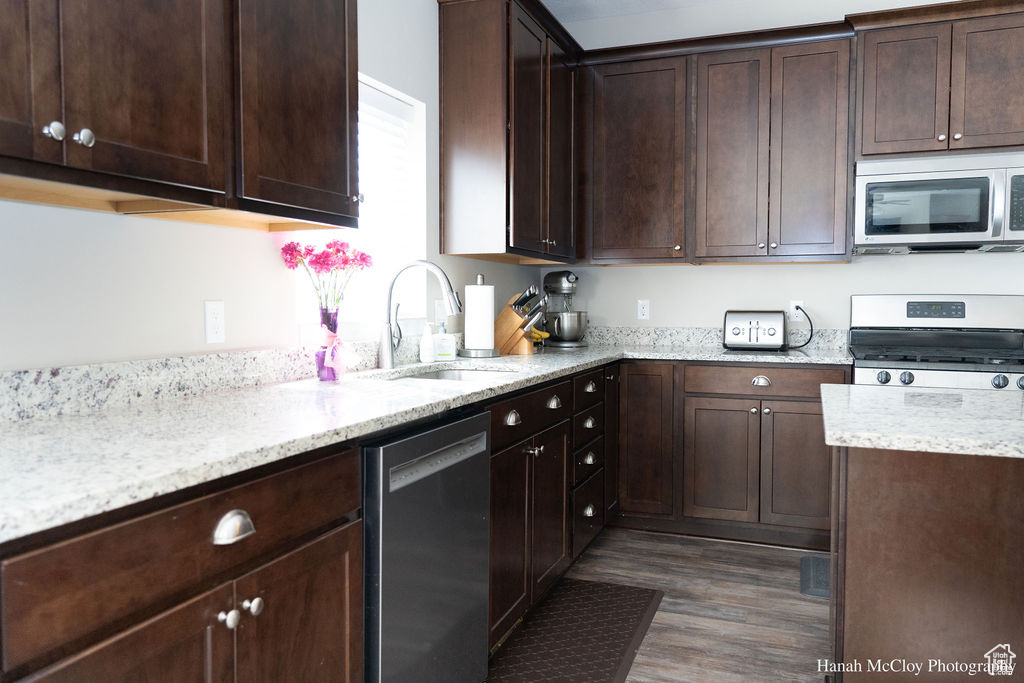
(463, 375)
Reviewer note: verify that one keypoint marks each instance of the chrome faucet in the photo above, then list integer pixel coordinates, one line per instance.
(389, 341)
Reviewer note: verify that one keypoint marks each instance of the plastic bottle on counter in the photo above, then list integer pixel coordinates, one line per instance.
(427, 351)
(444, 345)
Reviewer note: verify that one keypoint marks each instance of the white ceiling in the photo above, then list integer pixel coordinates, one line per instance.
(608, 23)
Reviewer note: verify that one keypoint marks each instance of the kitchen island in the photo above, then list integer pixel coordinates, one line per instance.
(927, 548)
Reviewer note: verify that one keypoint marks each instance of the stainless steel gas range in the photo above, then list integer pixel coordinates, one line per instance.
(951, 341)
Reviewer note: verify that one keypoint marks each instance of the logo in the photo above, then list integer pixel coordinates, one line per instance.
(1000, 660)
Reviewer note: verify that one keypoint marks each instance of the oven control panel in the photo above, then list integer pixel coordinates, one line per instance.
(1015, 217)
(936, 309)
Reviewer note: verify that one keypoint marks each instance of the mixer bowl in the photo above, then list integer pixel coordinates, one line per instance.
(566, 325)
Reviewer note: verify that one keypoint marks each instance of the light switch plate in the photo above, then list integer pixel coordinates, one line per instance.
(214, 322)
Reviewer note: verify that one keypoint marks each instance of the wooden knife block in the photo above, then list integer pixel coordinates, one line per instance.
(509, 336)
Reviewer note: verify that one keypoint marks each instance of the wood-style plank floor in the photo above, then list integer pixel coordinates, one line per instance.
(731, 611)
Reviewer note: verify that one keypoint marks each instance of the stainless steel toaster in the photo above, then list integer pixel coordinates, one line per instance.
(764, 330)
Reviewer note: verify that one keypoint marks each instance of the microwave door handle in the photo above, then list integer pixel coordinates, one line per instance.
(998, 202)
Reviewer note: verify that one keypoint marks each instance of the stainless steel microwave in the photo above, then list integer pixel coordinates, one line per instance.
(948, 203)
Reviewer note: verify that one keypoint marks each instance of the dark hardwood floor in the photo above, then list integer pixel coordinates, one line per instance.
(731, 612)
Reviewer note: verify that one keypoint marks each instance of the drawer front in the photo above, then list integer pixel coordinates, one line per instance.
(72, 589)
(523, 416)
(760, 380)
(588, 460)
(588, 512)
(587, 425)
(588, 389)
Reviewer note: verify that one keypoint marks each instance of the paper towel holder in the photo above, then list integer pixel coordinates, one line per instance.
(478, 353)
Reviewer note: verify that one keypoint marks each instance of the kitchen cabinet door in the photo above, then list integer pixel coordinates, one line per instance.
(733, 95)
(145, 89)
(549, 524)
(986, 98)
(309, 626)
(905, 105)
(561, 206)
(611, 438)
(297, 108)
(528, 47)
(639, 129)
(29, 80)
(810, 87)
(720, 458)
(510, 538)
(185, 643)
(796, 465)
(645, 439)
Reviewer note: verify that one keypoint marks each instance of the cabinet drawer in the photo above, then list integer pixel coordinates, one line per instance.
(588, 389)
(781, 381)
(588, 460)
(73, 589)
(522, 416)
(587, 425)
(588, 512)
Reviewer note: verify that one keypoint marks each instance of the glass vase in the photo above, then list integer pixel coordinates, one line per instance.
(328, 321)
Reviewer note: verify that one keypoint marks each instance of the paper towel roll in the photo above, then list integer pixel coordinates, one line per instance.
(479, 316)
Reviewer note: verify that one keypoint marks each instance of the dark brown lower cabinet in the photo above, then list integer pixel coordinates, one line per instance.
(529, 525)
(306, 625)
(611, 438)
(796, 465)
(645, 438)
(720, 458)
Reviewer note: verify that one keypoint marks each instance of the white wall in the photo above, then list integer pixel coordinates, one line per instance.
(698, 296)
(716, 17)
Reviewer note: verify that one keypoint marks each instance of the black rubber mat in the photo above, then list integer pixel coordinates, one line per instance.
(582, 631)
(814, 576)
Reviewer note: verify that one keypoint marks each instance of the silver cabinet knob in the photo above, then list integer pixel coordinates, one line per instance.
(760, 245)
(233, 527)
(85, 137)
(767, 411)
(553, 243)
(610, 378)
(589, 511)
(513, 418)
(761, 381)
(554, 403)
(254, 606)
(589, 459)
(55, 131)
(942, 137)
(535, 450)
(774, 245)
(589, 423)
(958, 136)
(678, 247)
(753, 411)
(358, 198)
(590, 387)
(230, 619)
(544, 242)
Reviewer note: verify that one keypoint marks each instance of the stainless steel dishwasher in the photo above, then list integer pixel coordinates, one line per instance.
(426, 519)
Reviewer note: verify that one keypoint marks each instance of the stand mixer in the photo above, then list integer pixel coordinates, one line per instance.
(566, 326)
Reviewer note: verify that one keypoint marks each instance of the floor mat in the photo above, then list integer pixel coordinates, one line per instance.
(814, 576)
(582, 631)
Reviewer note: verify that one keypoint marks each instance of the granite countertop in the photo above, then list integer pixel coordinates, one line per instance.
(969, 421)
(57, 470)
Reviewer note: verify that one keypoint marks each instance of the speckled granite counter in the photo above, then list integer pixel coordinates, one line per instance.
(971, 422)
(56, 470)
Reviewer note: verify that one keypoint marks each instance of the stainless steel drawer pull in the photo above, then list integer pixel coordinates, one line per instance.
(589, 511)
(513, 419)
(589, 459)
(761, 381)
(233, 527)
(767, 411)
(255, 606)
(230, 619)
(55, 131)
(589, 423)
(590, 387)
(554, 403)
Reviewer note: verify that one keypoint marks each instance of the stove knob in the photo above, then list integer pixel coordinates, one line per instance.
(1000, 381)
(883, 377)
(906, 377)
(1020, 382)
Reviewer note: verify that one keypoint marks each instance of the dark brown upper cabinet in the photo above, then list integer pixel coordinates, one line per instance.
(771, 158)
(297, 104)
(638, 145)
(507, 92)
(943, 86)
(129, 89)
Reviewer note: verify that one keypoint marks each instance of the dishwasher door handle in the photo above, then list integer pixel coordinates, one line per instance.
(410, 472)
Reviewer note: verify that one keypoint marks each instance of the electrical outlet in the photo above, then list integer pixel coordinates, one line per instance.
(643, 309)
(795, 313)
(214, 322)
